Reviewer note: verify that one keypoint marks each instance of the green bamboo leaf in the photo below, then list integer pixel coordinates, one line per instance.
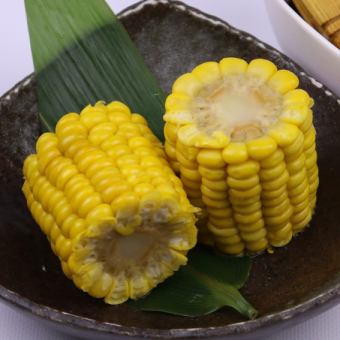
(83, 54)
(208, 283)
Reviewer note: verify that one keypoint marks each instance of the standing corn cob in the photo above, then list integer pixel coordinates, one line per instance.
(241, 137)
(116, 215)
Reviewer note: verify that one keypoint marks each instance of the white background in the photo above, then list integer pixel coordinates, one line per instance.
(16, 63)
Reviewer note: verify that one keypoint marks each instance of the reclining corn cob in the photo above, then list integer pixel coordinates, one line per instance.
(241, 137)
(115, 213)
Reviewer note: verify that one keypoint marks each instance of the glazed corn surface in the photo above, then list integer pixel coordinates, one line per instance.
(241, 137)
(114, 212)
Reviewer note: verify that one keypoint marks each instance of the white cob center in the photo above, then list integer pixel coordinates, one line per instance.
(241, 106)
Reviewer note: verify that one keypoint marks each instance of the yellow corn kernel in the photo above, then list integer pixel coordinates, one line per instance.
(261, 148)
(243, 170)
(192, 175)
(251, 227)
(309, 139)
(296, 179)
(119, 117)
(230, 66)
(249, 218)
(222, 232)
(284, 81)
(247, 209)
(185, 162)
(244, 194)
(277, 183)
(284, 133)
(269, 174)
(297, 97)
(235, 153)
(138, 119)
(210, 158)
(215, 185)
(297, 164)
(241, 201)
(243, 184)
(207, 73)
(272, 202)
(195, 185)
(295, 114)
(101, 132)
(211, 174)
(91, 117)
(272, 194)
(234, 249)
(177, 102)
(308, 123)
(261, 68)
(254, 236)
(296, 147)
(187, 84)
(219, 213)
(215, 195)
(277, 209)
(274, 159)
(90, 189)
(116, 106)
(219, 204)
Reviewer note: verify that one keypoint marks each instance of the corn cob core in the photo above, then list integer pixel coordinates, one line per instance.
(114, 212)
(242, 139)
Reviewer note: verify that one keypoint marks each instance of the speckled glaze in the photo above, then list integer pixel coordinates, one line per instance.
(295, 283)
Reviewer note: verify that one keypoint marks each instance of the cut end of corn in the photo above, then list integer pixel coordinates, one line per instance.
(241, 138)
(114, 212)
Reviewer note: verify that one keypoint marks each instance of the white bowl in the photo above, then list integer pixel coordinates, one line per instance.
(302, 43)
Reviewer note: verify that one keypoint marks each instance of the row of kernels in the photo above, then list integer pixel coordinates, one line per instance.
(62, 245)
(214, 190)
(170, 132)
(311, 161)
(295, 157)
(276, 206)
(191, 180)
(210, 168)
(245, 190)
(190, 176)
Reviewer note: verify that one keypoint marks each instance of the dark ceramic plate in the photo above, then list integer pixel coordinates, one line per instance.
(296, 282)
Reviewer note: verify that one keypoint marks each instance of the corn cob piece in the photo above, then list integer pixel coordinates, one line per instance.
(114, 212)
(241, 138)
